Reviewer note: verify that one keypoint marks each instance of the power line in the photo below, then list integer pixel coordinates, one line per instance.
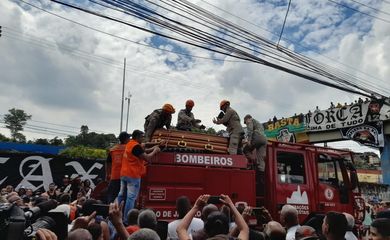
(284, 23)
(292, 41)
(367, 6)
(357, 10)
(125, 39)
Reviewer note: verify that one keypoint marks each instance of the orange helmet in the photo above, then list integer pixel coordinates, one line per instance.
(168, 108)
(190, 103)
(222, 103)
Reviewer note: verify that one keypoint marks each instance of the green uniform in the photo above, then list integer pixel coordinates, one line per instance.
(232, 122)
(154, 121)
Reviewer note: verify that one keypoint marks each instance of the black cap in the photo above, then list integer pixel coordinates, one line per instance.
(123, 136)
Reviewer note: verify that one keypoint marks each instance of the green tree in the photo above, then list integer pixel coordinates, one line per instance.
(41, 141)
(3, 138)
(15, 121)
(90, 139)
(84, 152)
(56, 141)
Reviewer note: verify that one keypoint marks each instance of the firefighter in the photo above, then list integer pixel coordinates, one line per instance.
(256, 140)
(186, 120)
(232, 122)
(158, 119)
(113, 168)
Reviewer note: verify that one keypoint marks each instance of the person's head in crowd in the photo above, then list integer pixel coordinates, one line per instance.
(305, 233)
(183, 205)
(64, 198)
(22, 191)
(88, 207)
(350, 221)
(132, 217)
(9, 188)
(15, 199)
(87, 183)
(275, 231)
(65, 180)
(37, 200)
(334, 226)
(216, 223)
(226, 210)
(241, 206)
(383, 214)
(52, 187)
(79, 234)
(124, 137)
(26, 199)
(3, 192)
(147, 219)
(380, 229)
(45, 195)
(80, 194)
(289, 216)
(29, 192)
(81, 201)
(209, 208)
(95, 229)
(316, 223)
(144, 234)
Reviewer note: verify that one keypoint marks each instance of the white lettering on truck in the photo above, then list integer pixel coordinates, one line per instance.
(203, 160)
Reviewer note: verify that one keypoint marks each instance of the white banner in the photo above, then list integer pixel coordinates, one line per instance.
(335, 118)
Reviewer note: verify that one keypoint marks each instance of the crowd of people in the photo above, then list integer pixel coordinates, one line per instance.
(219, 220)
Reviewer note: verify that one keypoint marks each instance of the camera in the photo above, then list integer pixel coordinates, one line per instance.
(17, 224)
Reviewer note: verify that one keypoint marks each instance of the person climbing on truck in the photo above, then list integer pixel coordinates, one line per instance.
(231, 120)
(256, 140)
(158, 119)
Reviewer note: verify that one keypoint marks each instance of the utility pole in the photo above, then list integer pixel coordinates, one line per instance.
(123, 92)
(128, 109)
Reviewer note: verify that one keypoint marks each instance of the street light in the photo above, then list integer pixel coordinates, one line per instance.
(128, 108)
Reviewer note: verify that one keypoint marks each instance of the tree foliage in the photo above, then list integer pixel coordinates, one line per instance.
(84, 152)
(3, 138)
(15, 121)
(91, 139)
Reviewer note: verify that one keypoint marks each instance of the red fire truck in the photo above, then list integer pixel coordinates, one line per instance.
(311, 178)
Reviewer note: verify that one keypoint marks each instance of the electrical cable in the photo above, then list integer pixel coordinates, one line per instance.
(284, 23)
(125, 39)
(357, 10)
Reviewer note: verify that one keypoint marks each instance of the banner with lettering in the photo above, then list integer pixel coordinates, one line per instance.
(369, 134)
(290, 129)
(37, 171)
(336, 118)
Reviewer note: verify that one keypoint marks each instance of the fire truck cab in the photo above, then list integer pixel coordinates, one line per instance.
(311, 178)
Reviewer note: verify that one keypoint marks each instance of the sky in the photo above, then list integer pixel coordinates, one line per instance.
(66, 75)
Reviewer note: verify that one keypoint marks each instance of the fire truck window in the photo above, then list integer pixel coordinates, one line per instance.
(290, 167)
(327, 173)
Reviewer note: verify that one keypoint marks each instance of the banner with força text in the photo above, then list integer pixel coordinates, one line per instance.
(37, 171)
(290, 129)
(348, 116)
(369, 134)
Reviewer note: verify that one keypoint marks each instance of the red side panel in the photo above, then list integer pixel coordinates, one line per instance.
(164, 183)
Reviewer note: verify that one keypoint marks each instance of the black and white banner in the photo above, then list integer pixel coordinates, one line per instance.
(37, 171)
(336, 118)
(370, 134)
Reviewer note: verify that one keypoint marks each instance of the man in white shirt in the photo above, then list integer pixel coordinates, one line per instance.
(183, 205)
(289, 219)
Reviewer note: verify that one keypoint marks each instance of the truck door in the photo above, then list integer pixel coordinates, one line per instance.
(293, 185)
(333, 191)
